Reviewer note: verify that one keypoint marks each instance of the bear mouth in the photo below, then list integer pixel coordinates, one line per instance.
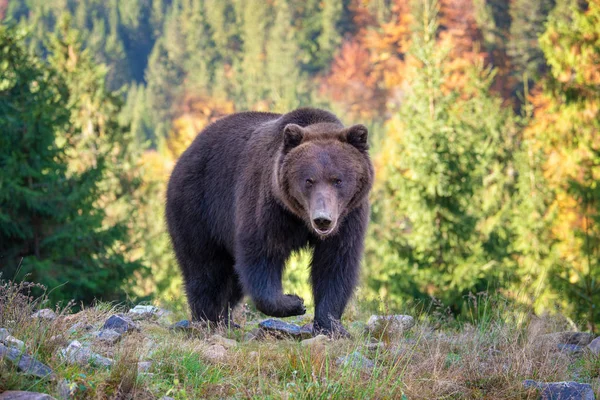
(323, 232)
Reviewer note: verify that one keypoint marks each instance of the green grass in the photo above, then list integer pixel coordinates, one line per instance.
(487, 357)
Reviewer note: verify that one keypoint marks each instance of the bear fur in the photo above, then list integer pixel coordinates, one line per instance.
(252, 188)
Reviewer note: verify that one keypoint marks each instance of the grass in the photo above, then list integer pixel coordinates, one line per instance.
(486, 358)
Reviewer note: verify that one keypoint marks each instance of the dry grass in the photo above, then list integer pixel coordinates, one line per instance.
(485, 359)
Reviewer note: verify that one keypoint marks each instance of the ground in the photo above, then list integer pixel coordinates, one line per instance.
(488, 357)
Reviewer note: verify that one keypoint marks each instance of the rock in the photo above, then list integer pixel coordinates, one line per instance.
(377, 346)
(65, 390)
(166, 398)
(25, 363)
(140, 309)
(45, 313)
(253, 354)
(218, 339)
(391, 325)
(76, 353)
(108, 336)
(19, 395)
(4, 333)
(317, 340)
(254, 334)
(144, 366)
(80, 326)
(281, 328)
(11, 341)
(183, 325)
(570, 348)
(562, 390)
(120, 323)
(594, 346)
(355, 360)
(216, 353)
(578, 338)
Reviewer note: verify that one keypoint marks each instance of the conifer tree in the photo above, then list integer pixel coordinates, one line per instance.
(52, 228)
(436, 232)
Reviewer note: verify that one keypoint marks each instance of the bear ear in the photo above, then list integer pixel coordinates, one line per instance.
(292, 136)
(357, 136)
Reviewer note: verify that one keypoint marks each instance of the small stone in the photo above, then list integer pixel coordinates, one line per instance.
(19, 395)
(594, 346)
(218, 339)
(317, 340)
(108, 336)
(254, 334)
(253, 354)
(140, 309)
(183, 325)
(355, 360)
(144, 366)
(284, 329)
(570, 348)
(4, 333)
(216, 352)
(12, 341)
(45, 313)
(75, 353)
(392, 325)
(377, 346)
(65, 390)
(166, 398)
(578, 338)
(25, 363)
(562, 390)
(120, 323)
(80, 326)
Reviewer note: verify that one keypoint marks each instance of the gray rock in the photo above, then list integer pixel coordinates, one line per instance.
(183, 325)
(284, 329)
(25, 363)
(19, 395)
(570, 348)
(216, 352)
(218, 339)
(144, 366)
(80, 326)
(76, 353)
(578, 338)
(120, 324)
(316, 341)
(392, 325)
(166, 398)
(4, 333)
(108, 336)
(45, 313)
(355, 360)
(65, 390)
(254, 334)
(562, 390)
(11, 341)
(594, 346)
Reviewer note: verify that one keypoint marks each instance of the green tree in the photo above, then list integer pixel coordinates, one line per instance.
(439, 210)
(565, 127)
(49, 214)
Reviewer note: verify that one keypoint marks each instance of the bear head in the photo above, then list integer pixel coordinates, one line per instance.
(323, 173)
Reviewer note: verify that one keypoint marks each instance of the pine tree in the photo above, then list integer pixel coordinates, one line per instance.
(287, 86)
(438, 211)
(528, 22)
(49, 214)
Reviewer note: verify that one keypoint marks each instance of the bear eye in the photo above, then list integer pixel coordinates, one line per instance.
(309, 182)
(337, 182)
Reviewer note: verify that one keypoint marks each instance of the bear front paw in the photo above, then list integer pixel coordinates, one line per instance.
(283, 306)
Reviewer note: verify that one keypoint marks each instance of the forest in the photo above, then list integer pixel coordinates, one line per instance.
(484, 126)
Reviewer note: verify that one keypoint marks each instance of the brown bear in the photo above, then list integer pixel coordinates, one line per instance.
(252, 188)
